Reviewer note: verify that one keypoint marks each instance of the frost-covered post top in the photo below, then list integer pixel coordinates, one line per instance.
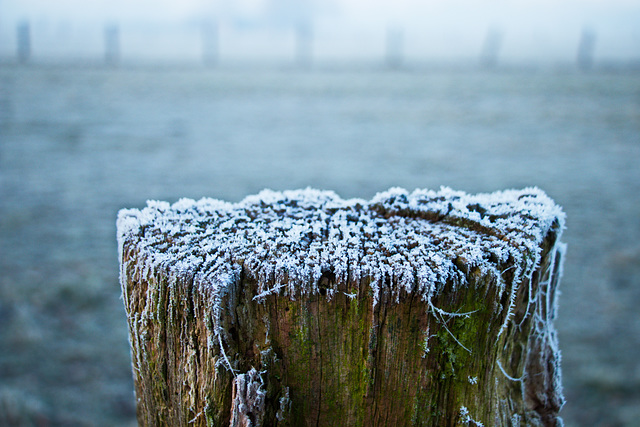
(412, 242)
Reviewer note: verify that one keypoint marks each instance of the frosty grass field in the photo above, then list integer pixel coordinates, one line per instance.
(78, 144)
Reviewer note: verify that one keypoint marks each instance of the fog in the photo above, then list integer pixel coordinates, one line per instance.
(530, 31)
(532, 93)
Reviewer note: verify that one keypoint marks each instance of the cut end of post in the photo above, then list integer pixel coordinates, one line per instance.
(373, 296)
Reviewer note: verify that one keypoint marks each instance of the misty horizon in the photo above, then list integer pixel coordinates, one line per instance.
(533, 32)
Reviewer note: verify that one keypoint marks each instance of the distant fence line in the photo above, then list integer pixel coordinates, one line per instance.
(302, 53)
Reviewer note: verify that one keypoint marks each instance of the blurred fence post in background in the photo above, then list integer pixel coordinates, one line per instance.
(304, 44)
(394, 48)
(24, 42)
(210, 43)
(586, 48)
(491, 48)
(112, 44)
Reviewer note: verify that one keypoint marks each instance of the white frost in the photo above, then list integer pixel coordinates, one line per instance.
(287, 241)
(465, 417)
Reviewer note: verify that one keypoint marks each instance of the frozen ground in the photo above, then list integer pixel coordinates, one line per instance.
(78, 144)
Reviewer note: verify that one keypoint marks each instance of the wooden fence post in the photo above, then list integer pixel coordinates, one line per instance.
(431, 308)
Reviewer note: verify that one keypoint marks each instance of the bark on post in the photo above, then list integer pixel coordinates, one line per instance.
(300, 308)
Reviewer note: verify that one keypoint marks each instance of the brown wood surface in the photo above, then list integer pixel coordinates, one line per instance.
(477, 354)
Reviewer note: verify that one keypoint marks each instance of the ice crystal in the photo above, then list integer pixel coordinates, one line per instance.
(465, 417)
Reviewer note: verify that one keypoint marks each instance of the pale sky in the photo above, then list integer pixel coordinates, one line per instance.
(533, 27)
(366, 10)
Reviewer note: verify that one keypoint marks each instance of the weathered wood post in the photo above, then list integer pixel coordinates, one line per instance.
(491, 48)
(24, 42)
(394, 48)
(112, 44)
(586, 48)
(300, 308)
